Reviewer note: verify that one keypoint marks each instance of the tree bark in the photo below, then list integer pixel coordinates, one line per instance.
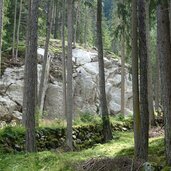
(157, 83)
(164, 45)
(45, 70)
(18, 29)
(14, 32)
(64, 59)
(170, 17)
(135, 81)
(76, 24)
(143, 82)
(123, 75)
(30, 80)
(1, 28)
(150, 85)
(85, 28)
(56, 19)
(69, 76)
(107, 133)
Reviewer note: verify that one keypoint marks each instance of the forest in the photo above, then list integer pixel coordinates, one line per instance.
(85, 85)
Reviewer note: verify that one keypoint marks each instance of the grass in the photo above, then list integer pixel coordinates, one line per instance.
(83, 119)
(122, 145)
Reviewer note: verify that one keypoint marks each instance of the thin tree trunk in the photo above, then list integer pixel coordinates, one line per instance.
(14, 32)
(56, 19)
(123, 66)
(18, 29)
(143, 82)
(69, 139)
(150, 85)
(64, 59)
(30, 80)
(164, 45)
(1, 28)
(76, 24)
(44, 74)
(85, 28)
(135, 81)
(157, 83)
(107, 133)
(170, 16)
(26, 62)
(123, 75)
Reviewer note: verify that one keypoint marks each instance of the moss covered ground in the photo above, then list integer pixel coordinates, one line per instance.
(57, 160)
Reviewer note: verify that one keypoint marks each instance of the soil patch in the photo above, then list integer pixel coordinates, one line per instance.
(156, 132)
(111, 164)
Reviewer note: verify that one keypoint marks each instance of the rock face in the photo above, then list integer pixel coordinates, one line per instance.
(11, 90)
(85, 86)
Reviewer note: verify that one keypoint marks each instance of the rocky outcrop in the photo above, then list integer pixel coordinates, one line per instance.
(11, 94)
(85, 86)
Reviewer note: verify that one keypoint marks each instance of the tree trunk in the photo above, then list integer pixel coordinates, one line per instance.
(18, 29)
(85, 28)
(76, 25)
(69, 76)
(164, 45)
(14, 32)
(64, 59)
(56, 19)
(143, 82)
(123, 75)
(170, 17)
(150, 85)
(30, 80)
(157, 83)
(135, 81)
(1, 28)
(107, 133)
(45, 71)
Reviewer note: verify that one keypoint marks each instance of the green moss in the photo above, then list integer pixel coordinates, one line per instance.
(167, 168)
(121, 145)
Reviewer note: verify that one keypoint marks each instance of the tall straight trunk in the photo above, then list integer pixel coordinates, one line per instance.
(164, 45)
(56, 19)
(45, 73)
(85, 28)
(107, 133)
(18, 29)
(14, 31)
(64, 59)
(30, 80)
(157, 82)
(26, 61)
(135, 81)
(143, 82)
(123, 75)
(69, 76)
(170, 16)
(76, 25)
(150, 84)
(1, 28)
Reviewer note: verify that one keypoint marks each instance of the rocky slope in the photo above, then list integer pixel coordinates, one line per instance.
(85, 86)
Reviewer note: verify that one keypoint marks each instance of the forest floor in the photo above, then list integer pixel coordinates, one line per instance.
(114, 155)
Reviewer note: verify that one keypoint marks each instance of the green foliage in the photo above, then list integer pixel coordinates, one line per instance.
(86, 132)
(107, 39)
(87, 118)
(167, 168)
